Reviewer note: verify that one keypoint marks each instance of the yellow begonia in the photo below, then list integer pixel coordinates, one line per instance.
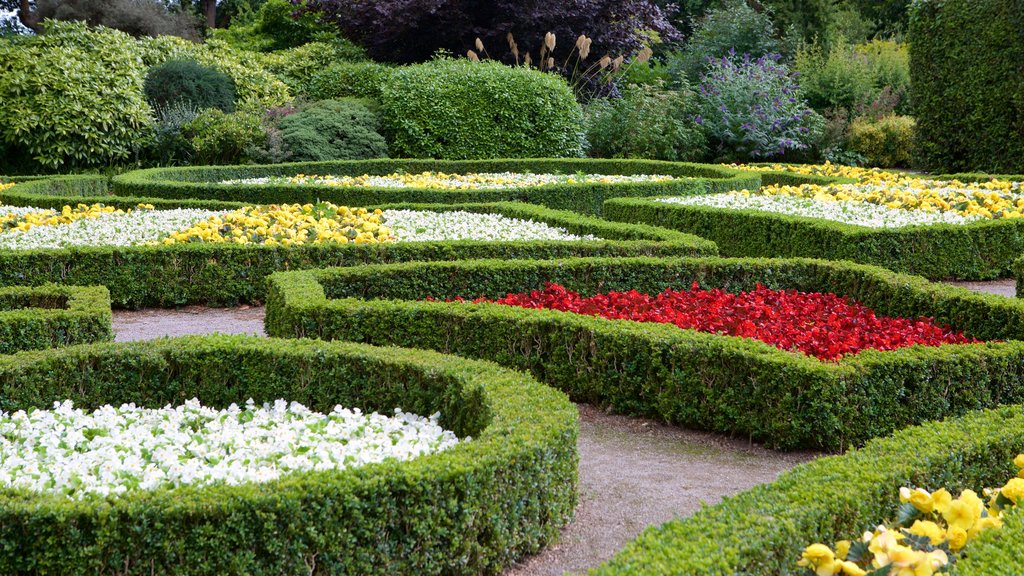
(936, 535)
(67, 215)
(820, 559)
(1014, 490)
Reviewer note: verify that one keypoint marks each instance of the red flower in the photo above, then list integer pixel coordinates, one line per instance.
(822, 325)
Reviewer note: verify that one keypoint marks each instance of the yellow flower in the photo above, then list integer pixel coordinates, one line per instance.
(964, 511)
(821, 559)
(935, 534)
(1014, 490)
(842, 549)
(920, 499)
(957, 538)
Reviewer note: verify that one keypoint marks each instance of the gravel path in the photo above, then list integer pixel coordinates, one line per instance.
(1004, 287)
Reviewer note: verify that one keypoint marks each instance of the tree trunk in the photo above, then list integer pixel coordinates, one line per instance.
(210, 9)
(29, 18)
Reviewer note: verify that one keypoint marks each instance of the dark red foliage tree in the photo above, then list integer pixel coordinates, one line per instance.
(413, 30)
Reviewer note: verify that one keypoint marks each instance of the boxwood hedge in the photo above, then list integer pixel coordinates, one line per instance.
(203, 182)
(996, 551)
(761, 532)
(974, 251)
(51, 316)
(700, 380)
(225, 274)
(470, 510)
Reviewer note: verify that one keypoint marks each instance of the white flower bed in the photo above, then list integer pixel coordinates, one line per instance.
(112, 450)
(126, 229)
(443, 181)
(418, 226)
(847, 212)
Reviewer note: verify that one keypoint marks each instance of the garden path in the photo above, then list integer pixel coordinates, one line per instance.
(633, 472)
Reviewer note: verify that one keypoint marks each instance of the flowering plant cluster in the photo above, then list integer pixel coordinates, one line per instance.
(117, 450)
(822, 325)
(930, 529)
(444, 181)
(26, 219)
(423, 226)
(753, 106)
(5, 185)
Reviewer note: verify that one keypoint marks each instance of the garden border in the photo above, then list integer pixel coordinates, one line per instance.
(226, 274)
(472, 509)
(203, 182)
(762, 532)
(35, 318)
(720, 383)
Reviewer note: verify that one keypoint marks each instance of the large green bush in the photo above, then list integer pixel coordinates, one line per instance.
(219, 138)
(71, 98)
(187, 81)
(886, 143)
(708, 381)
(296, 66)
(473, 509)
(460, 109)
(333, 130)
(732, 28)
(967, 70)
(344, 79)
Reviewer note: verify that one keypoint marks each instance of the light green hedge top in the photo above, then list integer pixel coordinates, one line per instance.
(52, 316)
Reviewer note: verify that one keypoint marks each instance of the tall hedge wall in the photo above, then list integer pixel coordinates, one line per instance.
(967, 84)
(472, 509)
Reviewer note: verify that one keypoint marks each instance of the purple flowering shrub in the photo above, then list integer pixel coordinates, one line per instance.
(752, 108)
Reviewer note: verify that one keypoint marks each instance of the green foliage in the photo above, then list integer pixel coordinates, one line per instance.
(885, 143)
(333, 130)
(996, 551)
(459, 109)
(51, 316)
(187, 81)
(889, 62)
(807, 20)
(71, 98)
(271, 27)
(135, 17)
(836, 78)
(256, 86)
(472, 509)
(967, 71)
(204, 183)
(981, 250)
(297, 66)
(345, 79)
(219, 138)
(226, 274)
(708, 381)
(762, 532)
(733, 28)
(169, 146)
(646, 122)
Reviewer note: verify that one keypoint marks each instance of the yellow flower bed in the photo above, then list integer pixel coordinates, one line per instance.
(67, 215)
(288, 225)
(930, 527)
(994, 199)
(446, 181)
(6, 186)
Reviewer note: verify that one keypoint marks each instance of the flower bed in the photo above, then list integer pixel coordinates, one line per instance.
(567, 184)
(202, 268)
(763, 531)
(825, 326)
(701, 380)
(470, 509)
(52, 316)
(941, 229)
(118, 450)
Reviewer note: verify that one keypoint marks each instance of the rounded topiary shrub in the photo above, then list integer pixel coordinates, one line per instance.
(461, 109)
(178, 81)
(333, 130)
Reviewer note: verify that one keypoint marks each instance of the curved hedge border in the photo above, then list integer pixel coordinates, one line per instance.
(52, 316)
(202, 182)
(975, 251)
(996, 553)
(470, 510)
(225, 274)
(762, 532)
(55, 192)
(700, 380)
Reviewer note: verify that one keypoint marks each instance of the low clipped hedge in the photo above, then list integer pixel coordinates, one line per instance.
(52, 316)
(973, 251)
(708, 381)
(55, 192)
(226, 274)
(203, 182)
(996, 551)
(470, 510)
(762, 531)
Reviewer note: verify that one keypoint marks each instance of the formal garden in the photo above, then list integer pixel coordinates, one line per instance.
(414, 287)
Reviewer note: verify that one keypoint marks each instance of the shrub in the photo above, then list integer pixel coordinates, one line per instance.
(837, 78)
(472, 509)
(72, 98)
(709, 381)
(733, 28)
(272, 27)
(219, 138)
(135, 17)
(647, 122)
(52, 316)
(349, 79)
(186, 81)
(333, 130)
(462, 109)
(885, 143)
(170, 146)
(967, 84)
(754, 109)
(297, 66)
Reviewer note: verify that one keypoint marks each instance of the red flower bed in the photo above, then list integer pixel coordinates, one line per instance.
(822, 325)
